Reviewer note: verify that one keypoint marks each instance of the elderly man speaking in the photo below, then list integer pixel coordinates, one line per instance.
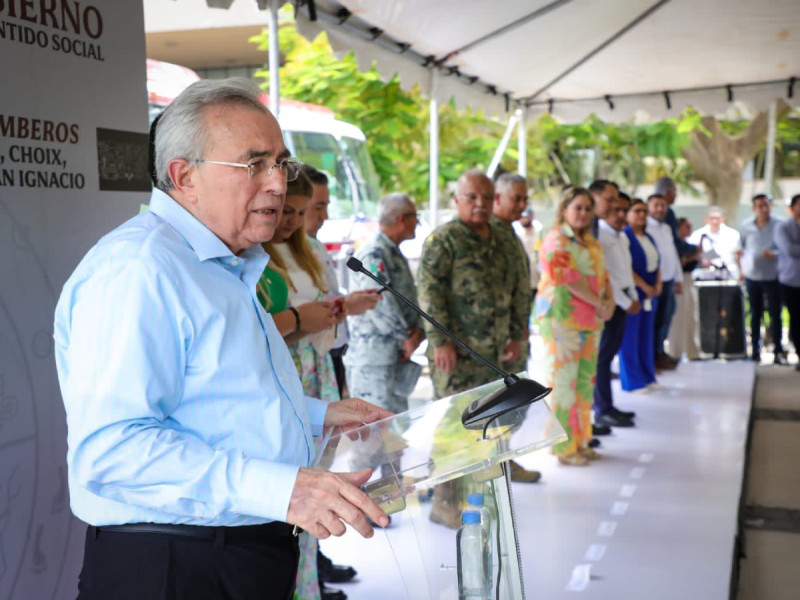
(189, 436)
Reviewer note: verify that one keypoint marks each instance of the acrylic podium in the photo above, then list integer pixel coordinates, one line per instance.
(416, 451)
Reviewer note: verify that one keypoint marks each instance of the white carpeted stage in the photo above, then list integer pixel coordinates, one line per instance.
(655, 517)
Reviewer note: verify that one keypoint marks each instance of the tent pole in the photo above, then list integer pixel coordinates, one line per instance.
(433, 170)
(522, 144)
(274, 57)
(501, 149)
(769, 162)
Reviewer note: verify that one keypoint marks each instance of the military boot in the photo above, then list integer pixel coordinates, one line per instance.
(446, 510)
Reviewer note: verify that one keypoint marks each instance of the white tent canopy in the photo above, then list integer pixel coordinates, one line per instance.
(575, 57)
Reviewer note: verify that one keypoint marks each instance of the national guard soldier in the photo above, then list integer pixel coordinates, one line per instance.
(378, 361)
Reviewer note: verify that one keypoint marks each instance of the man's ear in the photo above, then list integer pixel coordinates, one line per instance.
(182, 174)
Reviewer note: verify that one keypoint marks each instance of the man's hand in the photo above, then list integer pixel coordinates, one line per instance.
(411, 343)
(322, 502)
(316, 316)
(678, 287)
(634, 308)
(445, 357)
(353, 412)
(769, 254)
(606, 310)
(512, 351)
(357, 303)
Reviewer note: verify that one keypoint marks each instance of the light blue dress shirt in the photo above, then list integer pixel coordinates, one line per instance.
(183, 403)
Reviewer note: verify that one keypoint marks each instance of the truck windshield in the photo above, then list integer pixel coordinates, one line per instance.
(322, 151)
(353, 182)
(366, 177)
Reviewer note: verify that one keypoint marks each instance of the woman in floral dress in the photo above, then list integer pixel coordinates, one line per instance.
(573, 302)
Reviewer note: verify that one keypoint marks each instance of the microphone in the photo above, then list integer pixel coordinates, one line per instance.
(481, 412)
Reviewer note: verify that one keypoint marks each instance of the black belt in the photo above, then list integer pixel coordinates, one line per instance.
(275, 529)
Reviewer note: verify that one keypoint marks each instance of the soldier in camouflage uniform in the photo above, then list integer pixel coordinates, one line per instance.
(510, 199)
(468, 281)
(382, 340)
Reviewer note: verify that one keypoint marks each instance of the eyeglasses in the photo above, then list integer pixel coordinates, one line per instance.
(411, 214)
(476, 198)
(289, 167)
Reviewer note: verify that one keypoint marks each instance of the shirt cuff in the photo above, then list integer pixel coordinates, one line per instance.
(267, 489)
(316, 414)
(622, 299)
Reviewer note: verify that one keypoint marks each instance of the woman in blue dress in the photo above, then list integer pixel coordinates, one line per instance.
(637, 371)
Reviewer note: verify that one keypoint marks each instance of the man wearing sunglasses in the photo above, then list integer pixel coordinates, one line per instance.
(190, 440)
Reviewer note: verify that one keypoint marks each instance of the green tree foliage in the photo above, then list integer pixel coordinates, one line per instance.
(394, 120)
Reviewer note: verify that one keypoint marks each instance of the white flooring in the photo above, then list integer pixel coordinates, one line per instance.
(655, 518)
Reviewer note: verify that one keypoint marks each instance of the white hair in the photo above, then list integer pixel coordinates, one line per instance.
(181, 130)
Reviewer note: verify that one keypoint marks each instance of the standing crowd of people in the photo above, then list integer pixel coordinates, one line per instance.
(203, 345)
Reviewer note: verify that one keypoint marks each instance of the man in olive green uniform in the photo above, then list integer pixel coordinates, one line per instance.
(510, 199)
(382, 340)
(468, 281)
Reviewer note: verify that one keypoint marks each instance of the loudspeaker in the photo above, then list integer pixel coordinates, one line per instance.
(721, 315)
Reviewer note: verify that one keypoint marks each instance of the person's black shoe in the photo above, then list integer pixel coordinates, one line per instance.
(328, 593)
(626, 414)
(756, 357)
(331, 573)
(593, 443)
(600, 429)
(612, 420)
(663, 363)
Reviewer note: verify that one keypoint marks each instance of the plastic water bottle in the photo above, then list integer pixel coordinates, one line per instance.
(476, 502)
(474, 560)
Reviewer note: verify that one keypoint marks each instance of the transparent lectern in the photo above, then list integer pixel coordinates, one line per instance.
(416, 451)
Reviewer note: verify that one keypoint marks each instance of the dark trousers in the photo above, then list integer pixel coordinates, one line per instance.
(756, 291)
(610, 343)
(160, 566)
(663, 318)
(791, 299)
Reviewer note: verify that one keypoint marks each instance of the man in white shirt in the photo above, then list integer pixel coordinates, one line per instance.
(620, 270)
(716, 236)
(529, 230)
(671, 277)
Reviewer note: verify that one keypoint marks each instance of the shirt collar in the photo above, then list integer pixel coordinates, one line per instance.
(199, 237)
(602, 225)
(386, 240)
(568, 231)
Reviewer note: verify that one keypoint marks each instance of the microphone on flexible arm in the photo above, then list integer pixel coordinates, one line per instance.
(517, 392)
